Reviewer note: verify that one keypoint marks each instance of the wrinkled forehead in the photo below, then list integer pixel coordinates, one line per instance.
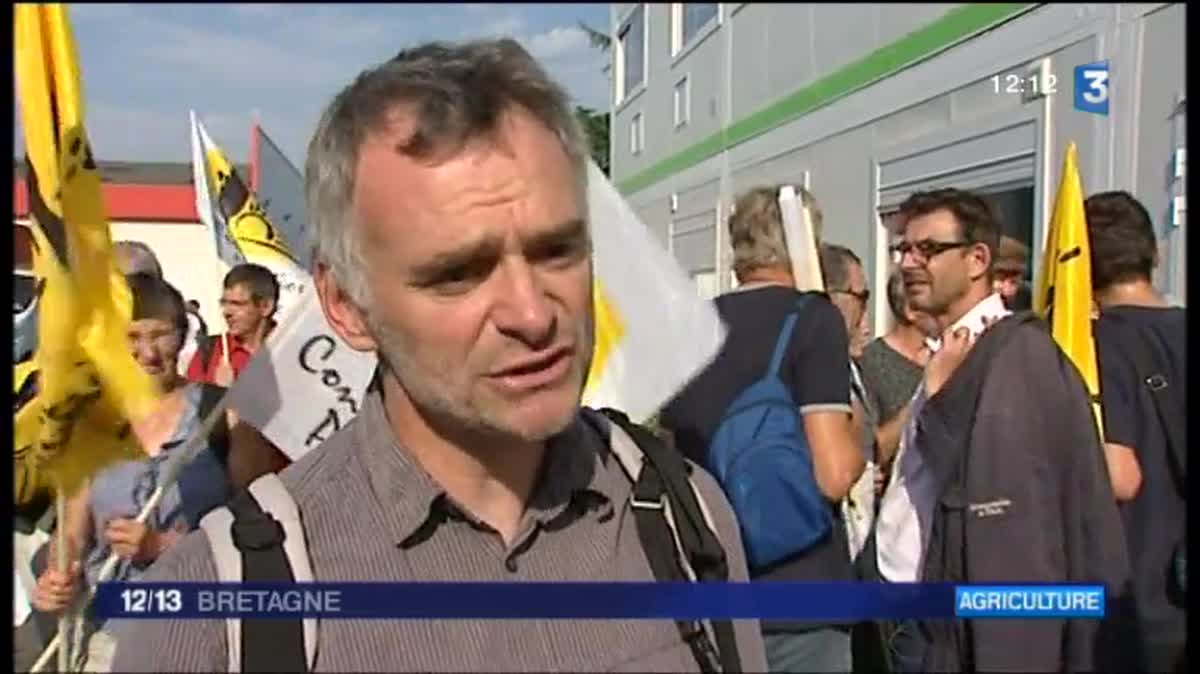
(939, 225)
(518, 156)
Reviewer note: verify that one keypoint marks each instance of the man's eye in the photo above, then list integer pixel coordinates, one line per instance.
(458, 279)
(561, 251)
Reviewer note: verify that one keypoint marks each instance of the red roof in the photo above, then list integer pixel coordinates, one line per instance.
(157, 203)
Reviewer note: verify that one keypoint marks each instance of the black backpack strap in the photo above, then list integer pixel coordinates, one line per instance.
(277, 644)
(671, 520)
(218, 437)
(1152, 374)
(206, 347)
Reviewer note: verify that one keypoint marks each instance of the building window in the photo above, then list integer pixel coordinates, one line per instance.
(706, 284)
(688, 19)
(630, 53)
(683, 101)
(637, 134)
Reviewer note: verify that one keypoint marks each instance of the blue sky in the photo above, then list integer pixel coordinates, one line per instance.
(145, 66)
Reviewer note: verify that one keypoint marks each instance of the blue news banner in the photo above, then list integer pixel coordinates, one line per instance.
(551, 601)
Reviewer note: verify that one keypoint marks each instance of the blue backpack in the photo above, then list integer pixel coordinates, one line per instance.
(761, 457)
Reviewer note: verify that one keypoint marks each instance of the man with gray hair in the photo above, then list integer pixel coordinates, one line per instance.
(812, 363)
(447, 190)
(135, 257)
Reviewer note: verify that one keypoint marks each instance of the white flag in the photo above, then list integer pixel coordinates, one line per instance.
(304, 384)
(653, 331)
(801, 241)
(238, 222)
(227, 248)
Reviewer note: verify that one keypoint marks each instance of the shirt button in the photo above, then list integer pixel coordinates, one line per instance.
(511, 564)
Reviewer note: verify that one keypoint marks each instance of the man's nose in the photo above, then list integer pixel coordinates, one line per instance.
(143, 352)
(522, 309)
(908, 259)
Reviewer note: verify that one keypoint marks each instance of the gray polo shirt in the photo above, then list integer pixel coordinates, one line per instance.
(371, 513)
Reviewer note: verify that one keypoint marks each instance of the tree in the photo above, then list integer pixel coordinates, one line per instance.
(599, 40)
(595, 125)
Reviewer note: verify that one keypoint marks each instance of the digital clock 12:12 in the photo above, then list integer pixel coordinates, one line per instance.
(1013, 83)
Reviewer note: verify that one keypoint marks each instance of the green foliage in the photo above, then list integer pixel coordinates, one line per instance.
(595, 125)
(598, 39)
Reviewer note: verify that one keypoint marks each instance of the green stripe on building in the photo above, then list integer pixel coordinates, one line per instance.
(955, 26)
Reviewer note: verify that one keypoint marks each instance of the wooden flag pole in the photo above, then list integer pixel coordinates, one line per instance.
(63, 563)
(189, 451)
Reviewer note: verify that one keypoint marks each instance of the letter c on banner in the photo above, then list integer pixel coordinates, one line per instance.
(304, 362)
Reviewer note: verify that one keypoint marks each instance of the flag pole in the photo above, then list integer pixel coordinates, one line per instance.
(189, 451)
(63, 564)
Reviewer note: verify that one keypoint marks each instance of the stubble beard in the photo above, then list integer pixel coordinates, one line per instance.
(433, 394)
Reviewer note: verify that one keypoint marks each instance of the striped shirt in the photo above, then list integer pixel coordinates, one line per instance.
(371, 513)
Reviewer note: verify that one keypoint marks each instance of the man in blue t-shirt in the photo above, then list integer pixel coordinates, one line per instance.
(815, 369)
(1143, 363)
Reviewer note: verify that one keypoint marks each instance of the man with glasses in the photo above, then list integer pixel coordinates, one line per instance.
(846, 285)
(1000, 476)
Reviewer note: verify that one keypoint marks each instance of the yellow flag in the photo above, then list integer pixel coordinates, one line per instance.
(1064, 294)
(243, 231)
(89, 386)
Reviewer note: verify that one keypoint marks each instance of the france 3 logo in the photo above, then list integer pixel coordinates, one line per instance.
(1091, 87)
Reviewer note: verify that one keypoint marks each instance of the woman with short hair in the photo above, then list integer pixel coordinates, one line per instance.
(101, 516)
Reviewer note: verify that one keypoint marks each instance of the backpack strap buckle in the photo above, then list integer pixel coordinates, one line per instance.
(1156, 382)
(660, 504)
(258, 533)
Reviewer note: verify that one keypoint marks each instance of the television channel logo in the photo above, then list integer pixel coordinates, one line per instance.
(1091, 88)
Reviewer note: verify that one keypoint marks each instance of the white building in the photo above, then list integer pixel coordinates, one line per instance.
(868, 103)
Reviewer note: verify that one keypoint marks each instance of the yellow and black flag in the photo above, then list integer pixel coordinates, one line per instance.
(1064, 293)
(88, 387)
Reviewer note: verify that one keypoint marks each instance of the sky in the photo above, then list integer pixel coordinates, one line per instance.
(146, 65)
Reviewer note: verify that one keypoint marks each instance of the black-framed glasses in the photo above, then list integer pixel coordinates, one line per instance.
(863, 295)
(926, 250)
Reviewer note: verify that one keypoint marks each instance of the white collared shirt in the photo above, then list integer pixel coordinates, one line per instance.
(906, 510)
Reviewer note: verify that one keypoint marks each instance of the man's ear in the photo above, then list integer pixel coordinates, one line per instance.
(979, 261)
(343, 314)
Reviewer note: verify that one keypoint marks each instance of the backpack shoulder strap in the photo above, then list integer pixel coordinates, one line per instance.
(218, 437)
(258, 537)
(206, 346)
(676, 530)
(785, 335)
(1152, 375)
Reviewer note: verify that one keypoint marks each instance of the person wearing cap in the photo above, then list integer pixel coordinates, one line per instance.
(1012, 260)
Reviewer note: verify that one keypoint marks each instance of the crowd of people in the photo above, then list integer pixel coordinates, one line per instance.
(446, 189)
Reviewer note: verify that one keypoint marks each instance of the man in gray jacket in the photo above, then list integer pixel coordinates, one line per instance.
(1000, 476)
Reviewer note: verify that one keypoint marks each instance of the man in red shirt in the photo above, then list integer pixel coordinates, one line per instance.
(248, 304)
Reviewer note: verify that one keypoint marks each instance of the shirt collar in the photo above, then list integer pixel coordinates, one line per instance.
(990, 308)
(573, 481)
(240, 343)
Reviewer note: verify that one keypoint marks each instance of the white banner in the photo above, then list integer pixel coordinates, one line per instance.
(801, 241)
(653, 330)
(305, 384)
